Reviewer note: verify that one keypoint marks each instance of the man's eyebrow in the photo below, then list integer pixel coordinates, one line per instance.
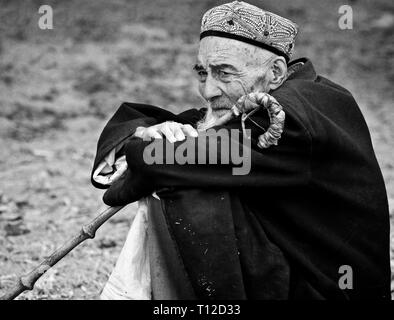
(198, 67)
(223, 66)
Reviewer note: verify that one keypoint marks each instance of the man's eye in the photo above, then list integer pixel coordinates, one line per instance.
(223, 74)
(202, 75)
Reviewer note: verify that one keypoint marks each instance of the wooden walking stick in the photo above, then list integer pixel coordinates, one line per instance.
(88, 231)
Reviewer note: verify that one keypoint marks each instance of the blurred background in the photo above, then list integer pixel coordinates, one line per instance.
(59, 87)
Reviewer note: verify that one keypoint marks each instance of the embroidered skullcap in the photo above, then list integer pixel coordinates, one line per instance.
(244, 22)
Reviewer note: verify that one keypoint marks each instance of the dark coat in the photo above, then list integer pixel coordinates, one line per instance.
(310, 205)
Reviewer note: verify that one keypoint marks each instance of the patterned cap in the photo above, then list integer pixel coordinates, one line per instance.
(244, 22)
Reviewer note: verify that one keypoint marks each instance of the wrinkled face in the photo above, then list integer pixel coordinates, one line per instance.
(227, 68)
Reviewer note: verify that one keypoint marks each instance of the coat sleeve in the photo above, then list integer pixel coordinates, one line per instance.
(287, 164)
(125, 121)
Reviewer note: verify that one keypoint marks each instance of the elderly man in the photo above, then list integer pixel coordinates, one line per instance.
(309, 220)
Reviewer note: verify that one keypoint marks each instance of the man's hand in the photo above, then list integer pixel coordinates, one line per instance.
(173, 131)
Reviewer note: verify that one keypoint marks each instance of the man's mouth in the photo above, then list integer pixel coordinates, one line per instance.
(220, 108)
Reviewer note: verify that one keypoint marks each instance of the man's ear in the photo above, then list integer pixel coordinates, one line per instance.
(278, 72)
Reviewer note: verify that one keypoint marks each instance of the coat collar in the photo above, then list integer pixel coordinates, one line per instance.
(305, 71)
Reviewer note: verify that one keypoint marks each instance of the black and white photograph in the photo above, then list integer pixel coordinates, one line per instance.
(206, 151)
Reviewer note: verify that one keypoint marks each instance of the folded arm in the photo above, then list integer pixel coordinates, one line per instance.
(109, 164)
(286, 164)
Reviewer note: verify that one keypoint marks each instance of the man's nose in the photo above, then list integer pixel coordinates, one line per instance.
(211, 88)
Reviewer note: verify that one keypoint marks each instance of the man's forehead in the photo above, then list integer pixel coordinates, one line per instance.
(217, 51)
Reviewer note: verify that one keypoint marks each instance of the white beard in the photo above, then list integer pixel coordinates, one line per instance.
(208, 121)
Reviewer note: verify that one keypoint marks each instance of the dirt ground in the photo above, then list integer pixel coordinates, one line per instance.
(59, 87)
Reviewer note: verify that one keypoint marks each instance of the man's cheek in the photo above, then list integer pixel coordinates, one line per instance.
(235, 91)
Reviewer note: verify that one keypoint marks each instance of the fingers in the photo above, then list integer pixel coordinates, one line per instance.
(189, 131)
(178, 133)
(173, 131)
(151, 133)
(168, 132)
